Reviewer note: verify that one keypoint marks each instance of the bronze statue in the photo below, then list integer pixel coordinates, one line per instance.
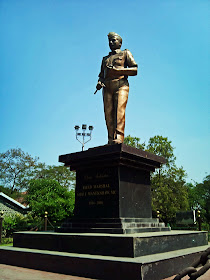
(113, 78)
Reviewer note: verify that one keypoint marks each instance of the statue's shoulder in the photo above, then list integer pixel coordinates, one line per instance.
(105, 57)
(128, 54)
(127, 51)
(129, 58)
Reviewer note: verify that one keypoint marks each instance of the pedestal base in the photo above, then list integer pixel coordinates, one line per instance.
(112, 196)
(152, 267)
(118, 245)
(114, 226)
(113, 193)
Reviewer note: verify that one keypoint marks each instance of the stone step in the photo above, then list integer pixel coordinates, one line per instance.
(113, 230)
(146, 229)
(111, 225)
(150, 267)
(112, 220)
(118, 245)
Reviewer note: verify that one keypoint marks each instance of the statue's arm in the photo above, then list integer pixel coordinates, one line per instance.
(100, 83)
(132, 71)
(131, 68)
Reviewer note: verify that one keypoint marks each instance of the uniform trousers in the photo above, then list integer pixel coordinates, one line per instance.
(115, 97)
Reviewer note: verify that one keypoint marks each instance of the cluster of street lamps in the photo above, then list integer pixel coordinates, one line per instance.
(83, 134)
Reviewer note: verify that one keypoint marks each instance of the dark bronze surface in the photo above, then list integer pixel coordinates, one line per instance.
(113, 78)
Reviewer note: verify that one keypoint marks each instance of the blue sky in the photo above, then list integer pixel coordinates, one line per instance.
(51, 53)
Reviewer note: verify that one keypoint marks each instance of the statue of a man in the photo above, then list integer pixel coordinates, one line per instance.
(115, 69)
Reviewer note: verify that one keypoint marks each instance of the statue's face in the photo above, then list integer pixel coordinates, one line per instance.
(114, 43)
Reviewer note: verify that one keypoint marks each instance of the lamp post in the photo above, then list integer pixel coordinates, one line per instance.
(83, 134)
(1, 222)
(199, 219)
(45, 220)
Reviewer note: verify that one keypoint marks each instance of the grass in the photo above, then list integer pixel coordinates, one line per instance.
(6, 241)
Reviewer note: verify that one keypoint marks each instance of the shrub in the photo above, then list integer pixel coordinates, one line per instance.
(21, 222)
(6, 241)
(48, 195)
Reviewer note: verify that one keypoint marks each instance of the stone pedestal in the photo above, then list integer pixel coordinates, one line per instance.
(112, 234)
(114, 245)
(113, 193)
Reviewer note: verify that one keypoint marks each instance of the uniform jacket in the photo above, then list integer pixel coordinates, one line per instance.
(118, 58)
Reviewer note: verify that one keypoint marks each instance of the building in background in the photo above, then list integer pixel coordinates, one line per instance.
(10, 206)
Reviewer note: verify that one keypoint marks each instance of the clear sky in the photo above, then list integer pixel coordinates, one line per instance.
(50, 56)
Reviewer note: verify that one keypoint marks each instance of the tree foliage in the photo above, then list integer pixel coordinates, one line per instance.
(134, 142)
(49, 188)
(19, 222)
(199, 197)
(61, 174)
(17, 168)
(169, 191)
(161, 146)
(48, 195)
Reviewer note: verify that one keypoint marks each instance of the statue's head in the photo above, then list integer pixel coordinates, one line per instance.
(115, 41)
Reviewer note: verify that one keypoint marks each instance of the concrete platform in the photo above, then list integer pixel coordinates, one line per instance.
(151, 267)
(117, 245)
(9, 272)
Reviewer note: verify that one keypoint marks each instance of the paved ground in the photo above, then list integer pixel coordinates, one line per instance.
(8, 272)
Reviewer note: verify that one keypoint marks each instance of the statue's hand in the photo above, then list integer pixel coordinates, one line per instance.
(99, 85)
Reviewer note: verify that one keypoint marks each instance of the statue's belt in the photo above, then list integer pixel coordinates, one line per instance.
(112, 79)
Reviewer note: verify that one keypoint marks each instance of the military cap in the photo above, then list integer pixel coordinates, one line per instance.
(113, 34)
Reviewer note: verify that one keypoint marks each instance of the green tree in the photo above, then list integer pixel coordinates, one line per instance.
(161, 146)
(48, 195)
(17, 168)
(134, 142)
(194, 196)
(61, 174)
(199, 197)
(169, 190)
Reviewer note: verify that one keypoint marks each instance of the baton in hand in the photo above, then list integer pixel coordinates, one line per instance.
(103, 85)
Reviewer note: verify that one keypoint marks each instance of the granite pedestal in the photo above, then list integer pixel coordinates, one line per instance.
(113, 193)
(112, 234)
